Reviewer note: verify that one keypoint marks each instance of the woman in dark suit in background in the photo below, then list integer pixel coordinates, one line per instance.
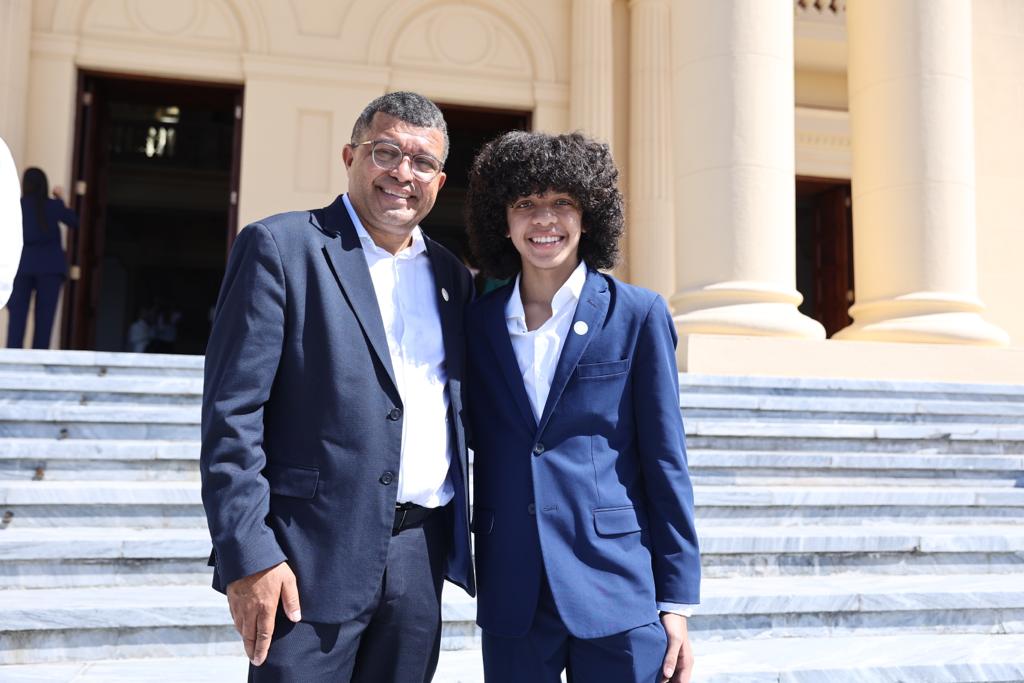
(43, 267)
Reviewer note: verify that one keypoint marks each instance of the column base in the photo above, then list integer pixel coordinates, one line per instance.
(928, 318)
(745, 308)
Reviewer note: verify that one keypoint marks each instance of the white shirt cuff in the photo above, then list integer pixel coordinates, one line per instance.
(676, 608)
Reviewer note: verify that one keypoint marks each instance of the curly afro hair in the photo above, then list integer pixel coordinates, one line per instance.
(519, 164)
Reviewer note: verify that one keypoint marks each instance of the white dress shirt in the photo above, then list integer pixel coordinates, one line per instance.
(407, 298)
(537, 352)
(10, 222)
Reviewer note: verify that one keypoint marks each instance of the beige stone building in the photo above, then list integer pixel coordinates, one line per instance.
(794, 170)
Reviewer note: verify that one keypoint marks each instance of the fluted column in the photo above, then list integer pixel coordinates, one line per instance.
(15, 37)
(650, 228)
(590, 108)
(911, 116)
(733, 120)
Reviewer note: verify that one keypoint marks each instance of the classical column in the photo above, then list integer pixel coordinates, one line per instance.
(910, 90)
(649, 222)
(733, 121)
(15, 38)
(590, 105)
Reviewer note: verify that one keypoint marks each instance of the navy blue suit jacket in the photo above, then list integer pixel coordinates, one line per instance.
(42, 253)
(597, 495)
(299, 456)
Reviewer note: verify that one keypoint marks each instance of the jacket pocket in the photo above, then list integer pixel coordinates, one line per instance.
(483, 521)
(595, 370)
(617, 521)
(295, 482)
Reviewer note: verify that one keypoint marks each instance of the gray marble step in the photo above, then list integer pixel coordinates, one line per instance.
(847, 409)
(931, 658)
(950, 659)
(157, 504)
(63, 557)
(854, 388)
(99, 363)
(51, 625)
(949, 438)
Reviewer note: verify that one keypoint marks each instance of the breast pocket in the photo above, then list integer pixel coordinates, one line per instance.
(608, 369)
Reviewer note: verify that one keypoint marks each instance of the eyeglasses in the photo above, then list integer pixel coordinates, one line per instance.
(388, 156)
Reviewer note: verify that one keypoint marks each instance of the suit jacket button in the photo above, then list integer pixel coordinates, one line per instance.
(387, 477)
(395, 414)
(531, 508)
(538, 449)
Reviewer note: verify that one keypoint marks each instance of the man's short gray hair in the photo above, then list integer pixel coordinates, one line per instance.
(413, 108)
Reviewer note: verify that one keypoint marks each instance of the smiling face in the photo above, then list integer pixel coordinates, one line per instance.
(545, 229)
(391, 203)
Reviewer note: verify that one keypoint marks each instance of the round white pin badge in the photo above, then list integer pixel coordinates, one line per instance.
(580, 328)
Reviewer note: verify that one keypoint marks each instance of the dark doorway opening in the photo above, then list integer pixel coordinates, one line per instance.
(824, 251)
(468, 130)
(158, 164)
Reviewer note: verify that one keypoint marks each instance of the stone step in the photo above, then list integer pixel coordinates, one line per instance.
(139, 504)
(745, 435)
(60, 624)
(114, 459)
(854, 388)
(52, 625)
(99, 363)
(96, 459)
(949, 658)
(847, 409)
(84, 389)
(100, 556)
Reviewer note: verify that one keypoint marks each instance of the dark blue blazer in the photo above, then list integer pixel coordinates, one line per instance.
(42, 253)
(597, 495)
(296, 438)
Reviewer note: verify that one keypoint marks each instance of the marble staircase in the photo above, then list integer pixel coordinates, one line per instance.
(851, 530)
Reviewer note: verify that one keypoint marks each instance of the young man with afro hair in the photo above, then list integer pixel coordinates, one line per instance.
(586, 552)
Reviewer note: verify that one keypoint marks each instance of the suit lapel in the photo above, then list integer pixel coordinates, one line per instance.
(449, 304)
(590, 314)
(496, 330)
(344, 254)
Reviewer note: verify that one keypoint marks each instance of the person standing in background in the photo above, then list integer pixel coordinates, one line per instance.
(10, 222)
(43, 267)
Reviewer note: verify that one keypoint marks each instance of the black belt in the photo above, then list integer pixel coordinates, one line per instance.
(409, 515)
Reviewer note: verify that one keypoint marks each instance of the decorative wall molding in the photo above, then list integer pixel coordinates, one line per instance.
(823, 143)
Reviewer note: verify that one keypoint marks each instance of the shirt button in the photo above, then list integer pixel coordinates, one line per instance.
(387, 477)
(538, 449)
(395, 414)
(531, 508)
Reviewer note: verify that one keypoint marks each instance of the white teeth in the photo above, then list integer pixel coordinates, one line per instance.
(395, 194)
(545, 240)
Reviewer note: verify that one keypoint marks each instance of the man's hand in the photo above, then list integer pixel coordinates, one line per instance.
(678, 664)
(253, 602)
(57, 192)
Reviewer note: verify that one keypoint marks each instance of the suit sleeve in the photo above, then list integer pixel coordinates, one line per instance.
(67, 216)
(662, 452)
(241, 362)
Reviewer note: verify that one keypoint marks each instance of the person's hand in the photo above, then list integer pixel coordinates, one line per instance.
(678, 664)
(57, 192)
(253, 602)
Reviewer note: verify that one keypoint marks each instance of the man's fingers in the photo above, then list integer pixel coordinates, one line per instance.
(248, 633)
(262, 634)
(290, 597)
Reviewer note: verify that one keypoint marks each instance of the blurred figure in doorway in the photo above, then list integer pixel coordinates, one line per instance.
(43, 267)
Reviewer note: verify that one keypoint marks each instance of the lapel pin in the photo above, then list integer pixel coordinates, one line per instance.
(580, 327)
(444, 294)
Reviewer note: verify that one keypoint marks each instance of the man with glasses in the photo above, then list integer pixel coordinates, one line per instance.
(333, 456)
